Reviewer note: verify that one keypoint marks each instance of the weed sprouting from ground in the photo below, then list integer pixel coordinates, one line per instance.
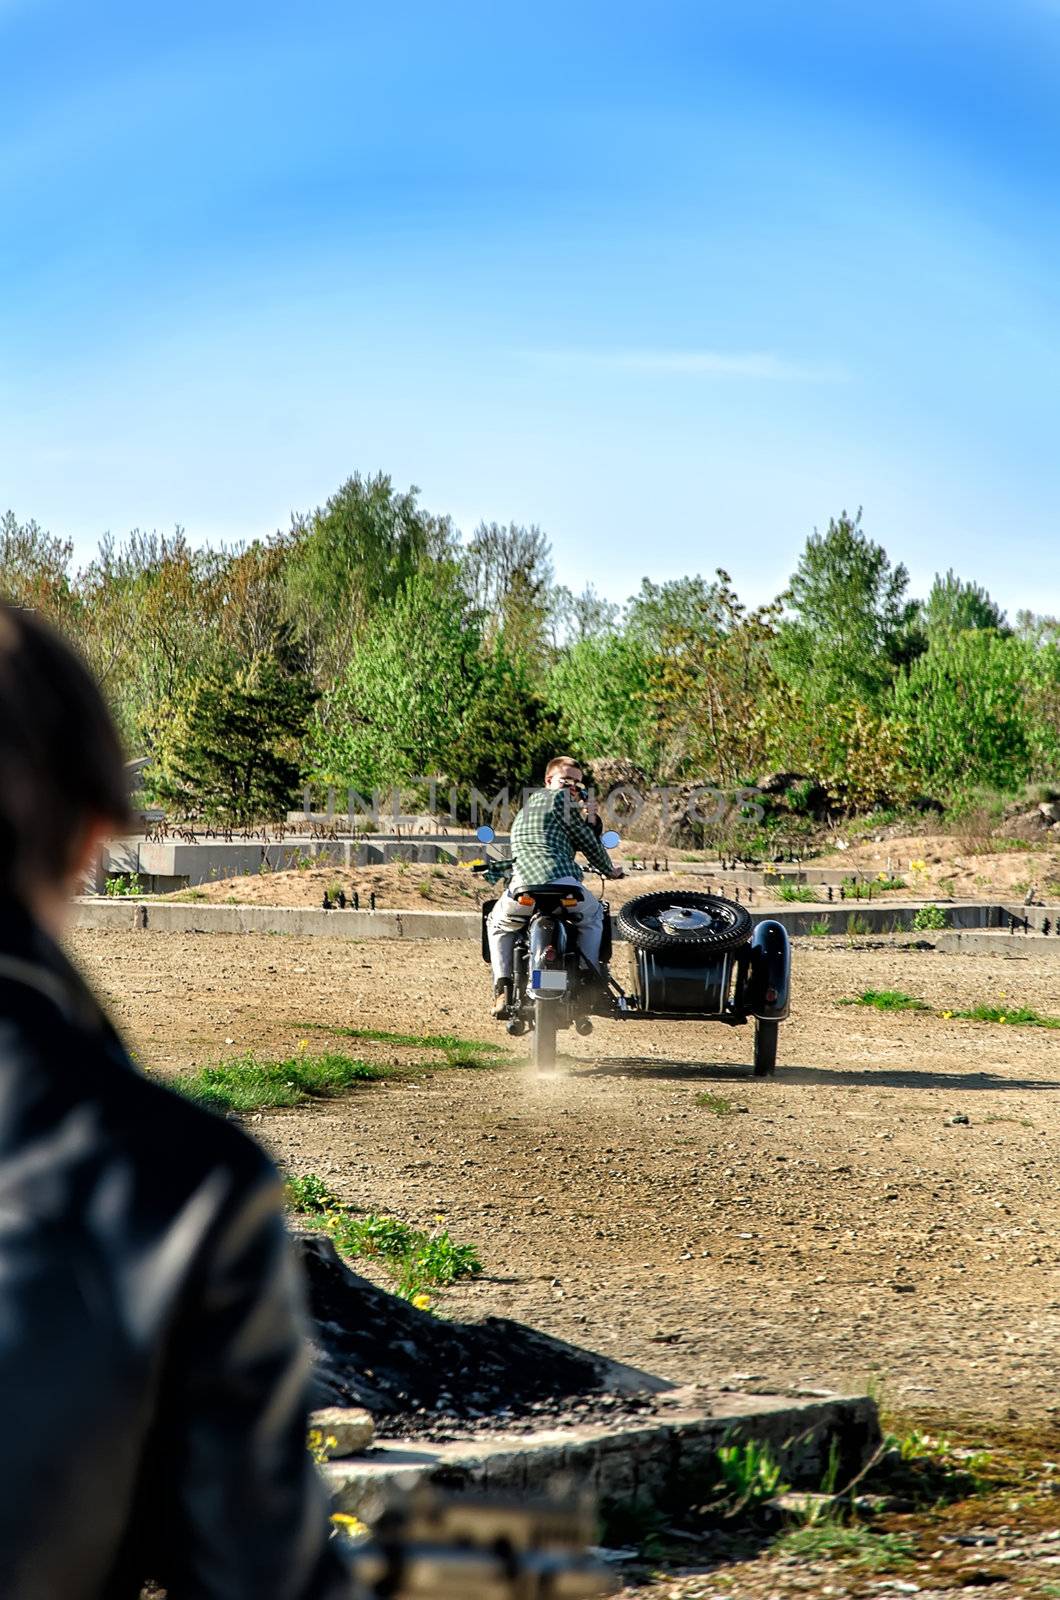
(859, 889)
(124, 885)
(1012, 1016)
(820, 927)
(1009, 1016)
(248, 1083)
(886, 1000)
(718, 1105)
(852, 1544)
(309, 1195)
(929, 918)
(796, 891)
(749, 1473)
(415, 1259)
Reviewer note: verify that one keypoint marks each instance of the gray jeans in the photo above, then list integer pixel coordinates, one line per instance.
(508, 918)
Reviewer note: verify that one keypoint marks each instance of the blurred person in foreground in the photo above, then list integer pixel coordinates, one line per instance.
(153, 1368)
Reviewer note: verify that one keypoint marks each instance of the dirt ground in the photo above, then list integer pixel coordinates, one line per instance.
(952, 868)
(822, 1228)
(403, 888)
(968, 866)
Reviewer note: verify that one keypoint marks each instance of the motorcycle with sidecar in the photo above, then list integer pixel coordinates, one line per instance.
(695, 957)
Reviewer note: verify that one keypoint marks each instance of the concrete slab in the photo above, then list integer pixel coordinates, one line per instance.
(165, 863)
(994, 942)
(298, 921)
(310, 921)
(642, 1460)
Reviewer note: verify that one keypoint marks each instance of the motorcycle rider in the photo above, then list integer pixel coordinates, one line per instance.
(546, 835)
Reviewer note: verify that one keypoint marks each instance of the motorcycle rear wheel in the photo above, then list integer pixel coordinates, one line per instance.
(543, 1045)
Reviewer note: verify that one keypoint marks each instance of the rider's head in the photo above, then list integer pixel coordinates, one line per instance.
(62, 777)
(563, 772)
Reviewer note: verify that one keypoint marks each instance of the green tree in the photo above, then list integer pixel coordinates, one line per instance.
(851, 624)
(35, 570)
(953, 605)
(576, 617)
(351, 556)
(964, 703)
(1043, 709)
(399, 707)
(507, 732)
(714, 692)
(150, 626)
(600, 688)
(233, 752)
(508, 574)
(658, 615)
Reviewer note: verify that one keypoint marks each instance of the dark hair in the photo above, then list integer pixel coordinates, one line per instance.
(61, 762)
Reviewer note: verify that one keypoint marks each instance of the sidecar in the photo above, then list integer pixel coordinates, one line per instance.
(703, 958)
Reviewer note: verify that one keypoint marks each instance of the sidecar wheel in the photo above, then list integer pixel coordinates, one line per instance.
(766, 1032)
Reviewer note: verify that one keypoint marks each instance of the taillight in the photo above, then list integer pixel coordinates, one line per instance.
(771, 997)
(524, 899)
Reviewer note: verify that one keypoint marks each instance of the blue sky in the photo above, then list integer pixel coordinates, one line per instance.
(676, 281)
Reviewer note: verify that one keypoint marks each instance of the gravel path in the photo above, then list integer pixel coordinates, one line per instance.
(821, 1228)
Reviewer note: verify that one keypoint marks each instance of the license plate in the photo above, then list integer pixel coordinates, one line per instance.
(544, 982)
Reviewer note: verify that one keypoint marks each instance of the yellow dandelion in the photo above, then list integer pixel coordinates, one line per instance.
(303, 1046)
(422, 1302)
(1002, 1019)
(438, 1217)
(947, 1015)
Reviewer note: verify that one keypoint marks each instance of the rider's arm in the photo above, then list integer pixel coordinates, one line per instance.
(583, 837)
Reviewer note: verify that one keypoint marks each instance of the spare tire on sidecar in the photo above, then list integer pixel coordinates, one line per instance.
(701, 956)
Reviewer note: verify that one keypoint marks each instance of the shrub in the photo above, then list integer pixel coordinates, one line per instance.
(124, 884)
(929, 918)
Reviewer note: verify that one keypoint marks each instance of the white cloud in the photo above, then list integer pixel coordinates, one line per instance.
(712, 363)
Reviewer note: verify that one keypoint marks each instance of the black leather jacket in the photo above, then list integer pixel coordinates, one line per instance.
(153, 1370)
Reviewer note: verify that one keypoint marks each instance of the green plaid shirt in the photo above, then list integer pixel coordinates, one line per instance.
(547, 833)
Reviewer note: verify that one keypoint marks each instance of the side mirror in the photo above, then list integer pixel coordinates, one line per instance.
(610, 839)
(485, 834)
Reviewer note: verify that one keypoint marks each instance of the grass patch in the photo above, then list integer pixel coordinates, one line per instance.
(247, 1083)
(895, 1000)
(415, 1259)
(850, 1544)
(797, 891)
(309, 1195)
(1012, 1016)
(820, 927)
(886, 1000)
(424, 1041)
(718, 1105)
(864, 889)
(124, 885)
